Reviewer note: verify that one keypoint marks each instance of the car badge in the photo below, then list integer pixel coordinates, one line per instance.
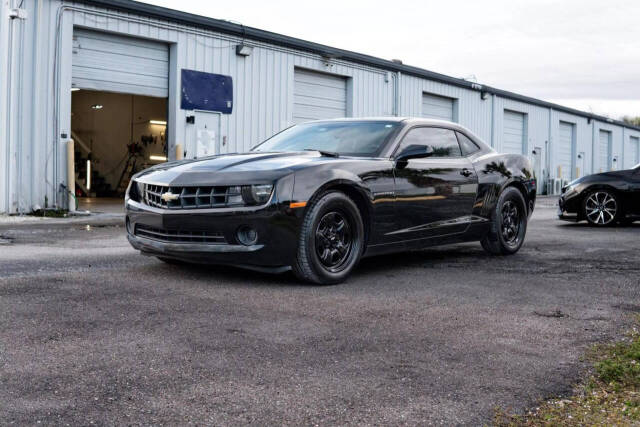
(169, 196)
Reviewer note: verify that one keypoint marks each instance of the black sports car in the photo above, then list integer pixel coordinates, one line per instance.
(318, 196)
(602, 199)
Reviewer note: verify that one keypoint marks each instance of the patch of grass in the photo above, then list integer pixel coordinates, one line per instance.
(609, 396)
(50, 213)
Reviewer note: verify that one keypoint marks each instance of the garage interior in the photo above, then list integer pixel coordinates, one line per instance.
(115, 135)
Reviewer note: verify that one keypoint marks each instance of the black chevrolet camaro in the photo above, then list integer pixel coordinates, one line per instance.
(602, 199)
(318, 196)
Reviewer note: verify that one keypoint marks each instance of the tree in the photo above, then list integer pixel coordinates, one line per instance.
(635, 121)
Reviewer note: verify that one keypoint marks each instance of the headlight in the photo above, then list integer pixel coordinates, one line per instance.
(256, 194)
(569, 188)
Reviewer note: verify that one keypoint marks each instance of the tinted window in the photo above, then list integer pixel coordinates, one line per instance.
(467, 145)
(442, 141)
(347, 138)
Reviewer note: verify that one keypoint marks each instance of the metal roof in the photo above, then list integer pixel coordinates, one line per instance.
(327, 51)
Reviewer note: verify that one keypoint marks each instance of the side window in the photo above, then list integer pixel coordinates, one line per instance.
(442, 141)
(468, 146)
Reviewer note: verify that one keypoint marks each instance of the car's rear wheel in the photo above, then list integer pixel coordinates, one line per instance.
(601, 208)
(509, 224)
(331, 240)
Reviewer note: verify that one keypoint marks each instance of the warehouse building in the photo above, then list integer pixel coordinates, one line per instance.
(133, 84)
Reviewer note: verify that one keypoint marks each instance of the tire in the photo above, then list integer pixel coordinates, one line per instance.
(331, 240)
(509, 224)
(601, 208)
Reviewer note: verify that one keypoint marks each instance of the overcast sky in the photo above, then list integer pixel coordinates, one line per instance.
(580, 53)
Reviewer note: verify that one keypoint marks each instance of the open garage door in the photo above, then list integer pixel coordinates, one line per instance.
(437, 107)
(604, 151)
(115, 63)
(514, 132)
(634, 153)
(318, 96)
(566, 150)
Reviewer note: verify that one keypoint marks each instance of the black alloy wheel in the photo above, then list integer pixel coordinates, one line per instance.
(331, 240)
(508, 224)
(511, 222)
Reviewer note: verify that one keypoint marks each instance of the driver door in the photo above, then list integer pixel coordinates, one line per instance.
(435, 190)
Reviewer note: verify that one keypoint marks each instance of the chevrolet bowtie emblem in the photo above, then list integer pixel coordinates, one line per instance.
(169, 196)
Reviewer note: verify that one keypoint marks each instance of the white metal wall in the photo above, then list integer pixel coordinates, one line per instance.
(35, 102)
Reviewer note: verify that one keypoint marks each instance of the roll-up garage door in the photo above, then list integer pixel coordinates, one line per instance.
(514, 130)
(115, 63)
(566, 149)
(318, 96)
(605, 151)
(437, 107)
(634, 153)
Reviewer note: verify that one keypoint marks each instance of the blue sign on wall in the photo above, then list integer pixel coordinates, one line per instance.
(206, 91)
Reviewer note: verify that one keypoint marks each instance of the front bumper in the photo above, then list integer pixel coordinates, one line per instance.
(277, 229)
(569, 208)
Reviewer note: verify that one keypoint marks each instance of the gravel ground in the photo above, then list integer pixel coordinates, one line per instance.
(92, 332)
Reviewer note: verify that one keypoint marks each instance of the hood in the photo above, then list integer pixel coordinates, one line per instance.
(603, 176)
(230, 169)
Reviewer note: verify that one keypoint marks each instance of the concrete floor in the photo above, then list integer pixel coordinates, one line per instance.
(93, 332)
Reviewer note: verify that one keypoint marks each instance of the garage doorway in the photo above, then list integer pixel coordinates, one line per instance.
(115, 135)
(119, 107)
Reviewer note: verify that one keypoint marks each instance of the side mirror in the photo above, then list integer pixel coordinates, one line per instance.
(415, 152)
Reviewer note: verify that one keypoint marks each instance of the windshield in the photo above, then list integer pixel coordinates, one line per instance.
(360, 139)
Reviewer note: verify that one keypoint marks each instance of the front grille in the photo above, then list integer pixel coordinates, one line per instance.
(192, 197)
(179, 236)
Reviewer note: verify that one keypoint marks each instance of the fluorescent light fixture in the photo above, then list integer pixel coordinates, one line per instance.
(158, 122)
(97, 106)
(75, 89)
(243, 50)
(88, 174)
(158, 158)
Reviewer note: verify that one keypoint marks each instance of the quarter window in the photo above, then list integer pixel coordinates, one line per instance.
(468, 146)
(442, 141)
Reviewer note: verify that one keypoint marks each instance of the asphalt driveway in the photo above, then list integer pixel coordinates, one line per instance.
(92, 332)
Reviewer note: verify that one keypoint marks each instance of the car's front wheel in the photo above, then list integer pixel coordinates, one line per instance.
(509, 224)
(331, 240)
(601, 208)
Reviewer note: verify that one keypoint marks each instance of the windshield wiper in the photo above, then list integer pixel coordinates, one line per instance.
(324, 153)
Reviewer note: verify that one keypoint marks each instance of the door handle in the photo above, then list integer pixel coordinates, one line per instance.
(466, 172)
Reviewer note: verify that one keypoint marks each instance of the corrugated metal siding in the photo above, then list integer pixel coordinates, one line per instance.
(318, 96)
(514, 128)
(604, 150)
(114, 63)
(437, 107)
(565, 149)
(32, 147)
